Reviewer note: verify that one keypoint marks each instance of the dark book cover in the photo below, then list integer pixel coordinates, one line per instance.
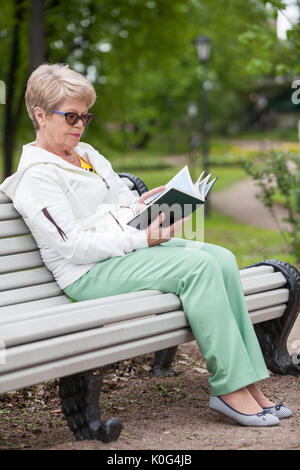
(175, 204)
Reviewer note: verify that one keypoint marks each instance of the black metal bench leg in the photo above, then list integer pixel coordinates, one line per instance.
(162, 362)
(79, 395)
(273, 334)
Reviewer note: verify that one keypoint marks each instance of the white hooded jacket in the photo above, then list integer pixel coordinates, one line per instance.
(76, 217)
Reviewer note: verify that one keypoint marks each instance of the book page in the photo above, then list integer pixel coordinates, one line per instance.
(197, 183)
(203, 185)
(182, 180)
(208, 186)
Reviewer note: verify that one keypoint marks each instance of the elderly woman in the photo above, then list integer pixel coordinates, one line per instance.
(77, 209)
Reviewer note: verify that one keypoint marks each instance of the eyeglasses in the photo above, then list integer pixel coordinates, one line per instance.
(73, 118)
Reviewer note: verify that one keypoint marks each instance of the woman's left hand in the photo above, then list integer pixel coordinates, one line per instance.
(141, 202)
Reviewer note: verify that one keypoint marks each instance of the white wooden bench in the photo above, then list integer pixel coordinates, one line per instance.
(43, 335)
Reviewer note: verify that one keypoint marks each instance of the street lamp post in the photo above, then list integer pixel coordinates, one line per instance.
(194, 139)
(203, 48)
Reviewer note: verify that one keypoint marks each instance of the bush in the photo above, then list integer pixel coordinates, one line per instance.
(278, 176)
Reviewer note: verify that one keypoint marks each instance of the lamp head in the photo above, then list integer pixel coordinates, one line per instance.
(203, 48)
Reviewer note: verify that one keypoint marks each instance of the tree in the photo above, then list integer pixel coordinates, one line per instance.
(36, 34)
(140, 56)
(15, 93)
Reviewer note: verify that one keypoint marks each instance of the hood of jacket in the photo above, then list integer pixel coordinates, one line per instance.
(32, 155)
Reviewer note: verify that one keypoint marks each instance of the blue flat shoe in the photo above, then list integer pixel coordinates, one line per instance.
(280, 411)
(264, 418)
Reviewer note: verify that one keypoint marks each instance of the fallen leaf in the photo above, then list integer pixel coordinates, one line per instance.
(201, 370)
(127, 435)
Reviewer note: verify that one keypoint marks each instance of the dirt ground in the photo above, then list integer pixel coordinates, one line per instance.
(157, 413)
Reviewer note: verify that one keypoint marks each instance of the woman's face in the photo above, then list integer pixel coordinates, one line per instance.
(55, 129)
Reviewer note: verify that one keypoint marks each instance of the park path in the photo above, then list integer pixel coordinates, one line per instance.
(240, 202)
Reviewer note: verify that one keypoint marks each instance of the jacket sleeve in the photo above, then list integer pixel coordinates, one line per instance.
(49, 215)
(57, 228)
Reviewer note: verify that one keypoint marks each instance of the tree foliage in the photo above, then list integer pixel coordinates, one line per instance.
(140, 56)
(278, 174)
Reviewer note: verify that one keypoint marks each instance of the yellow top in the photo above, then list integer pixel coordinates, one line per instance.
(84, 164)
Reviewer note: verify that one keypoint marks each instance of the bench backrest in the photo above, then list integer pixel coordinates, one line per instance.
(21, 266)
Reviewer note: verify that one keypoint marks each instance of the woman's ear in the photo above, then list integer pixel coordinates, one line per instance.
(40, 116)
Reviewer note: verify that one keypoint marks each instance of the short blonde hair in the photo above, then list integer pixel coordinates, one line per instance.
(50, 84)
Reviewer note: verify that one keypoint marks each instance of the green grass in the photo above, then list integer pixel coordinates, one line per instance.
(250, 244)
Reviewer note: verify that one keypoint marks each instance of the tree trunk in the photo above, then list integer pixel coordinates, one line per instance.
(10, 116)
(37, 34)
(14, 100)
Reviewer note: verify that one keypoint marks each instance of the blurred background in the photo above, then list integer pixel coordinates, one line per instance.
(212, 84)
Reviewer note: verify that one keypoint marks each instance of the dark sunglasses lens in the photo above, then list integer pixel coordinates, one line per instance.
(72, 118)
(86, 118)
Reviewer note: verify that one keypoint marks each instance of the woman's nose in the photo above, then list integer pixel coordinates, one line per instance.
(79, 124)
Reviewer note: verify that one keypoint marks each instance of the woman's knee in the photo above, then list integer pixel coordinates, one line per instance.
(201, 259)
(223, 256)
(228, 264)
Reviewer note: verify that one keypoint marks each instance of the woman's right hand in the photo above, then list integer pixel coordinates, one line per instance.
(157, 234)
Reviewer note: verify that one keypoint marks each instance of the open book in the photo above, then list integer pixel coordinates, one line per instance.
(179, 199)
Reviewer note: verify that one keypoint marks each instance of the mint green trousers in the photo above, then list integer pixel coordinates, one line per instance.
(206, 278)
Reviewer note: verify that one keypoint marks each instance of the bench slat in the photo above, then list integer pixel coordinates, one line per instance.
(79, 317)
(258, 316)
(20, 311)
(40, 308)
(20, 261)
(27, 294)
(21, 279)
(89, 340)
(266, 299)
(263, 282)
(92, 360)
(10, 228)
(13, 245)
(3, 198)
(255, 271)
(8, 212)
